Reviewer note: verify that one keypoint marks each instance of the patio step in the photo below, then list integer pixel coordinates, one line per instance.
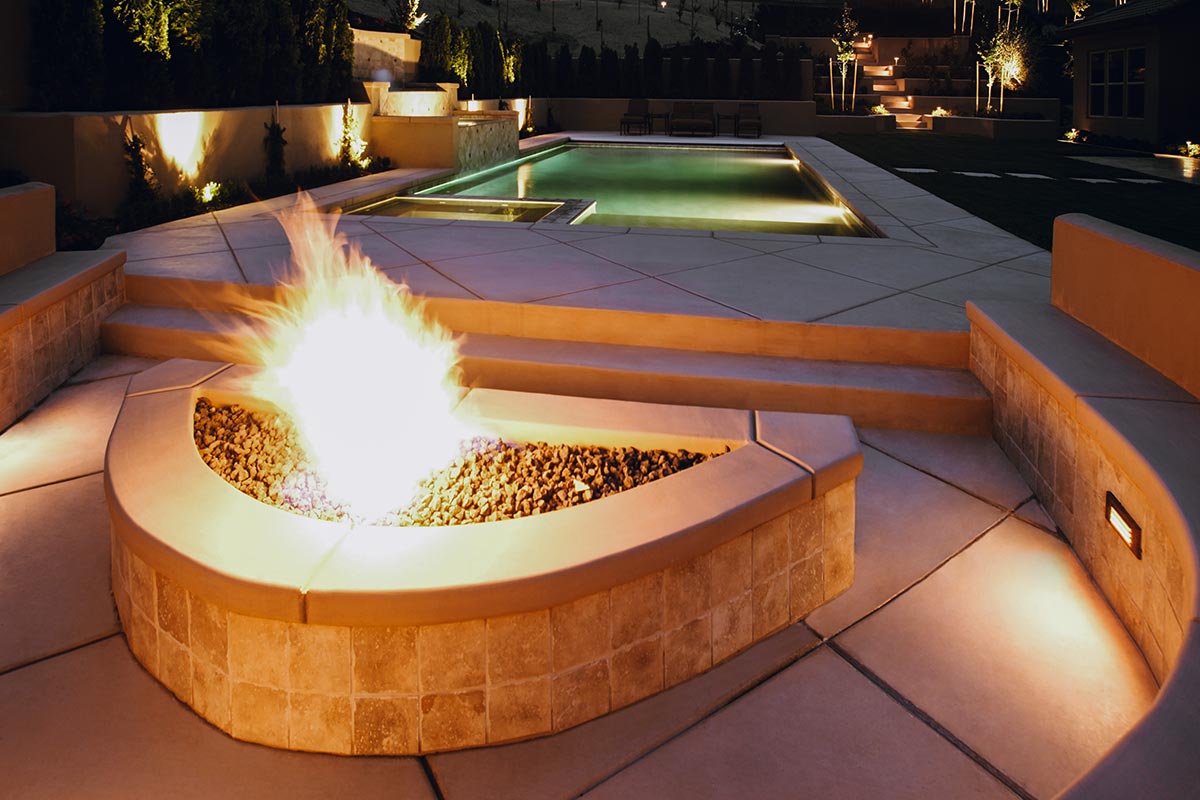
(874, 395)
(911, 121)
(877, 71)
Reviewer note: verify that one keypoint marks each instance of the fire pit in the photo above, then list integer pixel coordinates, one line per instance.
(328, 636)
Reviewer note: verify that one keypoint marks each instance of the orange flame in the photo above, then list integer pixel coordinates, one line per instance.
(370, 382)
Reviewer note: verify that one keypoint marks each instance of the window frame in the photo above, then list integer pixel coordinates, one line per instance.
(1106, 84)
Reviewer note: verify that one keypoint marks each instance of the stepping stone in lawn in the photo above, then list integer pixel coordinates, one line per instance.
(977, 174)
(1140, 180)
(916, 170)
(1094, 180)
(1030, 176)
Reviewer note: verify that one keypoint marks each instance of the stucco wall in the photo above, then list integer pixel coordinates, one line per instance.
(82, 153)
(397, 53)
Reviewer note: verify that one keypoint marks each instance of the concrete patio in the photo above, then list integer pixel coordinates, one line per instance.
(973, 657)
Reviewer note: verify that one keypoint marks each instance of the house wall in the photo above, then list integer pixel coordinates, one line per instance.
(1135, 35)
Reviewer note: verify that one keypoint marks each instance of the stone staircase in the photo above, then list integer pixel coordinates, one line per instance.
(883, 82)
(879, 377)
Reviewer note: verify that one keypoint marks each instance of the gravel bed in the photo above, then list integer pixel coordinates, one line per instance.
(261, 454)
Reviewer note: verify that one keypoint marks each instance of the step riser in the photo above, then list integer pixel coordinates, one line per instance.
(867, 407)
(939, 349)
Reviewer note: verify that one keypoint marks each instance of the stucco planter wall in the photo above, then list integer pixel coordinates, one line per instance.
(1000, 129)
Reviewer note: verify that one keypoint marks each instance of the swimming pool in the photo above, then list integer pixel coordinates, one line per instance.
(666, 186)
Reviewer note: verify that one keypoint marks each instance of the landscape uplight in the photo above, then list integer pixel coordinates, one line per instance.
(1124, 524)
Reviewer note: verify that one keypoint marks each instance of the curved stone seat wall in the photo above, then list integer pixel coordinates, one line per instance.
(1081, 416)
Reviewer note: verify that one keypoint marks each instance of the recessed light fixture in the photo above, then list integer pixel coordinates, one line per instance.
(1123, 523)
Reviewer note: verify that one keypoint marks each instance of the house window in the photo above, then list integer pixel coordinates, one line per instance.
(1117, 83)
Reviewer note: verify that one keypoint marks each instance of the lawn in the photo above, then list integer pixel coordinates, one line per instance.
(1025, 207)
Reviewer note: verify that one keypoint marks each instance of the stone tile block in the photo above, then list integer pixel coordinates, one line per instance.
(175, 667)
(519, 710)
(259, 714)
(686, 589)
(806, 531)
(172, 609)
(258, 651)
(580, 695)
(142, 587)
(637, 672)
(732, 626)
(319, 660)
(453, 720)
(143, 639)
(386, 725)
(732, 565)
(319, 723)
(518, 646)
(580, 630)
(770, 548)
(770, 604)
(637, 609)
(807, 589)
(687, 651)
(452, 656)
(211, 693)
(209, 632)
(385, 661)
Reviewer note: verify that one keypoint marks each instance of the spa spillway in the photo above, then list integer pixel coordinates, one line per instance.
(314, 635)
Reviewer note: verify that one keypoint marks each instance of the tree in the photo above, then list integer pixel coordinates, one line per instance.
(610, 72)
(588, 73)
(407, 14)
(844, 35)
(67, 54)
(564, 73)
(653, 67)
(722, 78)
(1006, 58)
(632, 84)
(745, 82)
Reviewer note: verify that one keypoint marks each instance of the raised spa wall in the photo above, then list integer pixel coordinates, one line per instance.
(751, 541)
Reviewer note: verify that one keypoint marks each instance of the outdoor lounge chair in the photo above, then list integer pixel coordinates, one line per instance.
(747, 121)
(694, 118)
(637, 117)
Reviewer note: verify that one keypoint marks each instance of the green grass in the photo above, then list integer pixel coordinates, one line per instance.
(1169, 210)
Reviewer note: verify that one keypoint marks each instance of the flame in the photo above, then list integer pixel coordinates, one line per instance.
(370, 382)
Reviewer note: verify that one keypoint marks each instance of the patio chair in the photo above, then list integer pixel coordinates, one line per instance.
(747, 122)
(694, 118)
(637, 117)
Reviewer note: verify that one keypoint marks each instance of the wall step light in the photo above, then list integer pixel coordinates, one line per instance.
(1123, 523)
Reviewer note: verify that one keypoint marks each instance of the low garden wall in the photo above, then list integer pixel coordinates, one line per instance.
(993, 128)
(1093, 395)
(82, 154)
(51, 304)
(779, 117)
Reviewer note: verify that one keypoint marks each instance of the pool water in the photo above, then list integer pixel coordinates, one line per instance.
(708, 188)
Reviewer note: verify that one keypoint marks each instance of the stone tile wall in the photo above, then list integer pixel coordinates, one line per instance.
(489, 142)
(1071, 472)
(402, 690)
(40, 352)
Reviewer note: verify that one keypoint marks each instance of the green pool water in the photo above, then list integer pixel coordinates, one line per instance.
(761, 189)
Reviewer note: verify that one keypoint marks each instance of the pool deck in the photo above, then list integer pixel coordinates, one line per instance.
(935, 258)
(973, 657)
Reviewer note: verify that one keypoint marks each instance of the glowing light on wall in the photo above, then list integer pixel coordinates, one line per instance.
(1123, 523)
(181, 137)
(521, 106)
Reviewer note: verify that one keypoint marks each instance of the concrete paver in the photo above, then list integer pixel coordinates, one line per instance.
(92, 723)
(975, 464)
(62, 438)
(772, 287)
(818, 729)
(1013, 636)
(54, 557)
(906, 524)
